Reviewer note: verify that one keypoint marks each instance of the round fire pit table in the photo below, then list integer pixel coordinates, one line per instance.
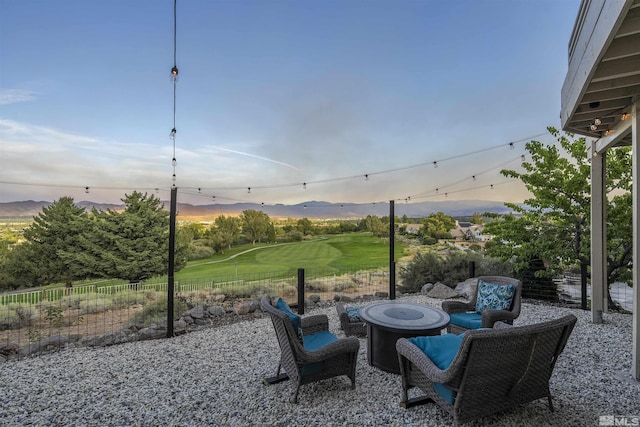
(388, 321)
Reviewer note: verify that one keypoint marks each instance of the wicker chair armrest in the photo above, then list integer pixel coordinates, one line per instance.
(457, 306)
(341, 346)
(501, 325)
(314, 323)
(490, 317)
(422, 362)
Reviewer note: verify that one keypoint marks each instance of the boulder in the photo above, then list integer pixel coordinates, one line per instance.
(216, 310)
(467, 288)
(196, 312)
(442, 292)
(426, 288)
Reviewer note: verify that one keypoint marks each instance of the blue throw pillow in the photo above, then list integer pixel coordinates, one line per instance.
(353, 313)
(296, 321)
(494, 297)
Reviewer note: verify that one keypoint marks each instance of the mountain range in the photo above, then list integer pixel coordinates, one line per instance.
(311, 209)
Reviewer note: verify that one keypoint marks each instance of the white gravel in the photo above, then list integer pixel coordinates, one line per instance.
(214, 377)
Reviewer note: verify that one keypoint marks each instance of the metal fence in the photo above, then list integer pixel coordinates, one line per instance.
(99, 315)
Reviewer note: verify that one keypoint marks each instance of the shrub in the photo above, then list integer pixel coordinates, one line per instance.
(450, 268)
(128, 298)
(96, 304)
(27, 314)
(8, 318)
(156, 313)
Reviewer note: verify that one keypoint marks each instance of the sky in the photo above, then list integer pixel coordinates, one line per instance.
(277, 101)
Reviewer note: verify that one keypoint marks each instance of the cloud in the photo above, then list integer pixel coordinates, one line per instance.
(15, 96)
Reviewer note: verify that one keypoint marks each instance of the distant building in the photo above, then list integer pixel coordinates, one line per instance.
(468, 231)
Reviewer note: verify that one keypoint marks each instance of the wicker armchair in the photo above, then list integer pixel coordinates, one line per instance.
(488, 318)
(492, 370)
(350, 327)
(303, 362)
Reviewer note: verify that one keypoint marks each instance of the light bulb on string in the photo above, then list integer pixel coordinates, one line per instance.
(199, 190)
(522, 158)
(174, 74)
(593, 127)
(366, 177)
(172, 134)
(248, 189)
(473, 177)
(174, 162)
(304, 185)
(437, 189)
(446, 194)
(511, 146)
(86, 189)
(435, 164)
(491, 186)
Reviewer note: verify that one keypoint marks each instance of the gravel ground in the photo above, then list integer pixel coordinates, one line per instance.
(214, 377)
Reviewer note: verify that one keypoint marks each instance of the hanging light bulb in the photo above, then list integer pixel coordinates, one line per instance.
(597, 122)
(213, 197)
(248, 189)
(435, 164)
(474, 177)
(522, 157)
(304, 185)
(173, 178)
(172, 134)
(492, 186)
(437, 189)
(304, 206)
(199, 190)
(86, 189)
(446, 194)
(511, 146)
(366, 177)
(262, 204)
(174, 74)
(625, 116)
(174, 162)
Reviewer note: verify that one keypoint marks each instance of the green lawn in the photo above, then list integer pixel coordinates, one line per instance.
(334, 253)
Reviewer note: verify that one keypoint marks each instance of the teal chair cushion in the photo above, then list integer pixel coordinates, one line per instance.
(441, 349)
(470, 320)
(494, 297)
(296, 321)
(315, 342)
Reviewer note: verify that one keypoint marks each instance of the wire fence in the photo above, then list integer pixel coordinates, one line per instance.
(35, 321)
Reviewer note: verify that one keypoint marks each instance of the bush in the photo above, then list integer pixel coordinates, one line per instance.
(8, 318)
(156, 313)
(97, 304)
(451, 268)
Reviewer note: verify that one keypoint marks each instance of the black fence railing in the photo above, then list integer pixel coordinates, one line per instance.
(34, 321)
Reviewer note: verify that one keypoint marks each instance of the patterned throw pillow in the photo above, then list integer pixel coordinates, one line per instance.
(353, 313)
(296, 321)
(494, 297)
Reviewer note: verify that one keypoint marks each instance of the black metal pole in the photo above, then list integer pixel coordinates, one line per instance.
(172, 263)
(392, 251)
(301, 291)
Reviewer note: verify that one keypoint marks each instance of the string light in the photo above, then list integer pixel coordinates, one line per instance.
(366, 177)
(435, 164)
(304, 185)
(174, 80)
(474, 177)
(511, 146)
(86, 189)
(248, 189)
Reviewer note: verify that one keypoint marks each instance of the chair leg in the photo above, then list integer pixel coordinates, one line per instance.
(550, 403)
(294, 397)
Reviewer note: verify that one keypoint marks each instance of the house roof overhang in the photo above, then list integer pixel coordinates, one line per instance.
(603, 77)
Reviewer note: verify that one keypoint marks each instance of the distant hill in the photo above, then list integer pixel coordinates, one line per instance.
(312, 209)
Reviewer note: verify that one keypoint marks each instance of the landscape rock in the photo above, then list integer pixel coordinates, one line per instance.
(426, 288)
(441, 291)
(196, 312)
(467, 288)
(216, 310)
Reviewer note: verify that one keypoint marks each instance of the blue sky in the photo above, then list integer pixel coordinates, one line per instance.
(274, 94)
